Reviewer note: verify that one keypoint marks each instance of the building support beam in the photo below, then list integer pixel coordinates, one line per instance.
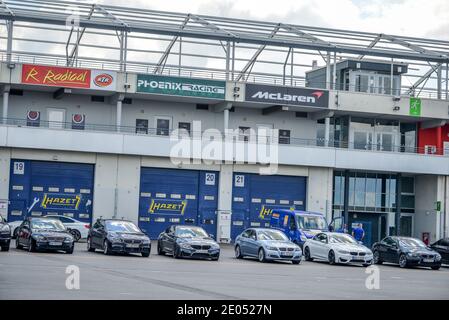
(163, 60)
(346, 201)
(6, 90)
(321, 115)
(220, 107)
(273, 109)
(253, 60)
(432, 124)
(424, 78)
(398, 205)
(59, 94)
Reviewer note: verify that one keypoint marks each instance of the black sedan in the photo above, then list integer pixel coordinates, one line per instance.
(442, 247)
(5, 234)
(38, 233)
(406, 252)
(189, 242)
(118, 236)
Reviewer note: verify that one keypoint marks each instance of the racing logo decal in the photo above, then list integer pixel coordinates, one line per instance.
(61, 201)
(266, 211)
(167, 206)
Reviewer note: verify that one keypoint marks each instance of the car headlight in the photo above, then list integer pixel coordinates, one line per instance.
(414, 255)
(115, 238)
(343, 251)
(185, 245)
(215, 246)
(39, 238)
(146, 241)
(438, 257)
(68, 239)
(272, 248)
(5, 228)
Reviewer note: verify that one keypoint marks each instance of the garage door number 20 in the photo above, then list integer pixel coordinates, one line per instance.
(210, 179)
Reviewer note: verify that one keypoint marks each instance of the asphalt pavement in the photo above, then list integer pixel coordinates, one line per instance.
(25, 275)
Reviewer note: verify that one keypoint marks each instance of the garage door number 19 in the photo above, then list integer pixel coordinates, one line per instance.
(19, 168)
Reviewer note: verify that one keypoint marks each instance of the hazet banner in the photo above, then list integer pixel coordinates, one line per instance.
(167, 206)
(186, 87)
(61, 201)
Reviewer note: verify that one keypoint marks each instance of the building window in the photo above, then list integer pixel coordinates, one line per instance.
(184, 128)
(244, 133)
(142, 126)
(284, 136)
(163, 126)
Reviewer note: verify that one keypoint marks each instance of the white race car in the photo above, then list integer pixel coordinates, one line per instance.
(337, 248)
(78, 229)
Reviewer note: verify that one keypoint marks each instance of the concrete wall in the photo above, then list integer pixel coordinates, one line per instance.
(104, 113)
(429, 190)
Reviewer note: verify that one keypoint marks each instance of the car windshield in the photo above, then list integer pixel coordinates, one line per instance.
(271, 235)
(122, 226)
(312, 222)
(412, 243)
(47, 224)
(342, 238)
(189, 232)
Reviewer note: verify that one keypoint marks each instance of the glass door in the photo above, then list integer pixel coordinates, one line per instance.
(362, 140)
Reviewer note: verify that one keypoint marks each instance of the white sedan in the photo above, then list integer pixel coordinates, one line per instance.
(337, 248)
(79, 230)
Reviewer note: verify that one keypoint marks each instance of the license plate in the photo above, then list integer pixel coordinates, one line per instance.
(427, 260)
(287, 254)
(55, 243)
(202, 251)
(132, 245)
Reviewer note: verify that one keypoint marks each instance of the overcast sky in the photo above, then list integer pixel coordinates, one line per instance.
(421, 18)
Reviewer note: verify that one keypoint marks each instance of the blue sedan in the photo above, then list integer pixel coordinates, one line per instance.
(265, 245)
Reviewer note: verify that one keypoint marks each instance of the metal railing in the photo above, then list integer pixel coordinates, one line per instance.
(166, 133)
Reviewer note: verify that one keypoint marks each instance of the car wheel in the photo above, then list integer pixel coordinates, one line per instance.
(376, 258)
(32, 246)
(261, 255)
(307, 254)
(18, 245)
(14, 234)
(435, 268)
(296, 261)
(176, 253)
(70, 251)
(89, 245)
(331, 257)
(159, 249)
(403, 261)
(145, 254)
(75, 234)
(238, 252)
(106, 249)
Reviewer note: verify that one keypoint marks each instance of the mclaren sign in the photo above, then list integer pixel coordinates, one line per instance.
(287, 96)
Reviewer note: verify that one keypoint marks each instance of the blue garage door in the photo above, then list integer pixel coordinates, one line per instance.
(38, 188)
(255, 196)
(171, 196)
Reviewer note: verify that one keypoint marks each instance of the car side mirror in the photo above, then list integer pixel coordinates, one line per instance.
(211, 235)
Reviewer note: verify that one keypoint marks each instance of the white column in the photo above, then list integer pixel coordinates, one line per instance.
(327, 121)
(224, 204)
(327, 130)
(119, 114)
(225, 120)
(5, 103)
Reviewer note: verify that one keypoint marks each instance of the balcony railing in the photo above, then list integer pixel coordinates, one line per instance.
(165, 133)
(209, 73)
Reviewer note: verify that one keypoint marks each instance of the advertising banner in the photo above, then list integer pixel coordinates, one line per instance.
(186, 87)
(287, 96)
(63, 77)
(167, 206)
